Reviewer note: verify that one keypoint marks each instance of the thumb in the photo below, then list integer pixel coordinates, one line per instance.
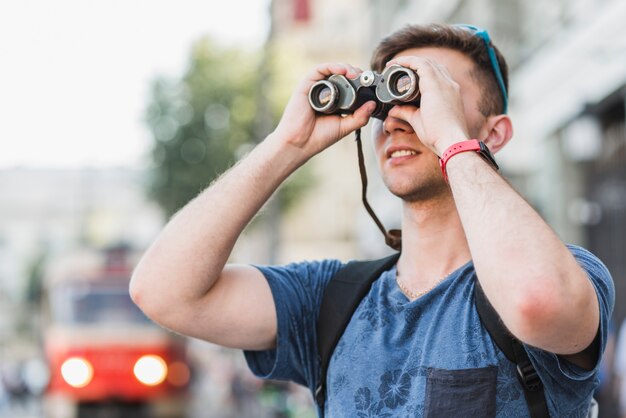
(403, 112)
(359, 118)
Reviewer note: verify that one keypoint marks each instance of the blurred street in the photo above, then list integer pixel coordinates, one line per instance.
(204, 402)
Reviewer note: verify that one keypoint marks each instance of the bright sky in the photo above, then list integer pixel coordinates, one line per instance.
(75, 74)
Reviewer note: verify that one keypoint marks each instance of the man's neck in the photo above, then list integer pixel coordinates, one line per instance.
(433, 242)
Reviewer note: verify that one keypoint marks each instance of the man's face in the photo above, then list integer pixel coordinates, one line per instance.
(409, 169)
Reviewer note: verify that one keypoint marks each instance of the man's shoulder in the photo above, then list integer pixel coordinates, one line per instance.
(595, 268)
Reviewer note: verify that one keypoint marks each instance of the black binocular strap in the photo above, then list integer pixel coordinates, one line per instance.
(393, 237)
(515, 352)
(342, 296)
(349, 286)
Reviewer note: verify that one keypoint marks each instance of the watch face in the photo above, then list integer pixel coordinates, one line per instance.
(487, 155)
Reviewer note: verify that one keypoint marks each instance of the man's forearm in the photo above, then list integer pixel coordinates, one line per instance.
(190, 253)
(529, 275)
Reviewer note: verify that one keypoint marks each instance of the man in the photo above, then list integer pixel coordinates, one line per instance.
(416, 337)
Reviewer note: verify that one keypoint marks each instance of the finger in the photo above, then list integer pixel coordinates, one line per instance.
(357, 119)
(409, 114)
(326, 70)
(432, 74)
(420, 65)
(409, 61)
(403, 112)
(322, 72)
(444, 71)
(354, 72)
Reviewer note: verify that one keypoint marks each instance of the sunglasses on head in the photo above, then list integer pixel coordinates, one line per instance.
(482, 34)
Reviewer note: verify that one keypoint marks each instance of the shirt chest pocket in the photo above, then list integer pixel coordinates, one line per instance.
(465, 392)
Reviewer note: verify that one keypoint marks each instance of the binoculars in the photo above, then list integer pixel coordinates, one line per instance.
(339, 95)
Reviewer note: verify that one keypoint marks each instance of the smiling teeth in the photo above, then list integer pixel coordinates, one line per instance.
(402, 153)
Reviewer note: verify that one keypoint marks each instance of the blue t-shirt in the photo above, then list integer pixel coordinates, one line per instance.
(422, 358)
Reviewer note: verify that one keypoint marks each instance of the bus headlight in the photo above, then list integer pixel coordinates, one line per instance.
(150, 370)
(77, 372)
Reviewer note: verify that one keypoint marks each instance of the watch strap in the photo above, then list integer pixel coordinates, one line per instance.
(464, 146)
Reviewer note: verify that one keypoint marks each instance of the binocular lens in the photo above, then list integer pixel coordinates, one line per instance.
(401, 85)
(323, 96)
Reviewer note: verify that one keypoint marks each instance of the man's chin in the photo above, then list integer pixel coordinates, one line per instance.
(419, 193)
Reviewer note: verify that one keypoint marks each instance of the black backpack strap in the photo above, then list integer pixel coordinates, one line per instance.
(342, 296)
(515, 352)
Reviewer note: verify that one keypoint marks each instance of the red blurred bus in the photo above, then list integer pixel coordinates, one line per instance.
(105, 357)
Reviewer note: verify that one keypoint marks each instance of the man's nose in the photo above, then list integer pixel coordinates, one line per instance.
(395, 125)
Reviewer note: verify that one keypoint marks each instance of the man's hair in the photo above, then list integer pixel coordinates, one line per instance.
(456, 38)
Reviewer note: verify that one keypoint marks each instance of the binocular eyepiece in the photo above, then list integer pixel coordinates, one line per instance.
(339, 95)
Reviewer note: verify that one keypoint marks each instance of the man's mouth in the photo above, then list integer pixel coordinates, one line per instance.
(399, 153)
(402, 153)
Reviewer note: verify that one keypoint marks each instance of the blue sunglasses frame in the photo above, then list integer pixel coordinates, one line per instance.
(482, 34)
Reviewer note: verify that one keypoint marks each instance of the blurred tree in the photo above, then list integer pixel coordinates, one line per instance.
(204, 122)
(35, 273)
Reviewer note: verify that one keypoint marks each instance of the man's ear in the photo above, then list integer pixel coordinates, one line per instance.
(499, 131)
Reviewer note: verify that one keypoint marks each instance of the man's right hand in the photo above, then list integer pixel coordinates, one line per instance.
(311, 133)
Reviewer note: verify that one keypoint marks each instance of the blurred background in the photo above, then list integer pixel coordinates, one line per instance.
(114, 114)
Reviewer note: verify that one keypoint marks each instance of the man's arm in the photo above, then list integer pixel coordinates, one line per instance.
(533, 281)
(183, 283)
